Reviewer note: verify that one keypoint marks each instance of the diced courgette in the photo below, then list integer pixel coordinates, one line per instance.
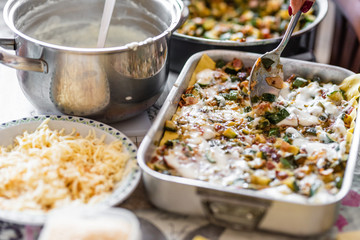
(336, 96)
(299, 82)
(170, 126)
(230, 133)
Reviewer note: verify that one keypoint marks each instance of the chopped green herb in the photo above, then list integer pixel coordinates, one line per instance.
(247, 109)
(249, 119)
(274, 132)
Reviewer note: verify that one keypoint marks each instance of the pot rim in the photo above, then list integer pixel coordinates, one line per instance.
(178, 7)
(322, 6)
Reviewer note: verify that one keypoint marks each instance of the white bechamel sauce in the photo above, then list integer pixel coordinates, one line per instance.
(221, 163)
(84, 35)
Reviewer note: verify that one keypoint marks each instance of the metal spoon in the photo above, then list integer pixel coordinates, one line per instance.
(267, 76)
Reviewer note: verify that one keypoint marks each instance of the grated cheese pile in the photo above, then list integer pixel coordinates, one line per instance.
(47, 169)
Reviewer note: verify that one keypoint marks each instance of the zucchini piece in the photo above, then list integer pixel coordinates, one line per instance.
(209, 24)
(230, 133)
(314, 188)
(336, 96)
(232, 95)
(338, 182)
(260, 180)
(300, 82)
(329, 139)
(209, 157)
(170, 126)
(286, 163)
(311, 131)
(291, 183)
(204, 82)
(225, 36)
(266, 62)
(268, 97)
(220, 63)
(277, 117)
(263, 123)
(220, 100)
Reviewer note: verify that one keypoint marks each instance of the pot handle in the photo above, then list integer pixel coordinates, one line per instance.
(17, 62)
(229, 210)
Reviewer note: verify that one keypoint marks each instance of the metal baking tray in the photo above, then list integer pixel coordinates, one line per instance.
(241, 208)
(183, 46)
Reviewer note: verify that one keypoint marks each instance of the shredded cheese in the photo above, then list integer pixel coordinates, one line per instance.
(47, 169)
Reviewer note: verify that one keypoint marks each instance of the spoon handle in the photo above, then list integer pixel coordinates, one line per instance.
(289, 31)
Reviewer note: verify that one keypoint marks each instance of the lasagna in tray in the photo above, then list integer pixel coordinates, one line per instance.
(294, 145)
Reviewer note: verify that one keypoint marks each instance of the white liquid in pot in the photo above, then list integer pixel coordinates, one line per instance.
(85, 35)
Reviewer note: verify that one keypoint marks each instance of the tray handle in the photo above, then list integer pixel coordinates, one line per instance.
(232, 210)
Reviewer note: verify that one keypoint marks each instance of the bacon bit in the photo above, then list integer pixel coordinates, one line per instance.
(186, 101)
(237, 63)
(242, 76)
(154, 159)
(218, 127)
(270, 165)
(266, 33)
(349, 110)
(262, 107)
(276, 82)
(291, 78)
(281, 175)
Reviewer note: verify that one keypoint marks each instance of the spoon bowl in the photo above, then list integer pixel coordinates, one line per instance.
(267, 77)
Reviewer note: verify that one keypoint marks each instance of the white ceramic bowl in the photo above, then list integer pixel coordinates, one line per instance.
(9, 130)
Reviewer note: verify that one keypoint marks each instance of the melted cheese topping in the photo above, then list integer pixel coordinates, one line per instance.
(295, 146)
(46, 169)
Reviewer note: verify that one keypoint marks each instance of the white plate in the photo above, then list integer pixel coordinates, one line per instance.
(9, 130)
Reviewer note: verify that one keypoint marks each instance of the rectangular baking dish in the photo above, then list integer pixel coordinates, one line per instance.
(241, 208)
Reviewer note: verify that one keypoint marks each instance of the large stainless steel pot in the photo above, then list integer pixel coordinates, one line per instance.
(302, 42)
(108, 84)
